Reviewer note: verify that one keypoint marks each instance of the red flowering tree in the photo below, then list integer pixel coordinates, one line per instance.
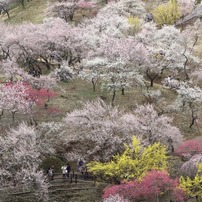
(156, 185)
(189, 148)
(40, 96)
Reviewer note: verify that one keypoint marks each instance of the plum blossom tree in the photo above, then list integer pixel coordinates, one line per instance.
(125, 8)
(168, 49)
(93, 70)
(160, 47)
(23, 148)
(4, 30)
(190, 98)
(43, 45)
(151, 127)
(14, 98)
(4, 7)
(115, 198)
(66, 9)
(102, 128)
(35, 179)
(120, 57)
(186, 6)
(64, 73)
(11, 71)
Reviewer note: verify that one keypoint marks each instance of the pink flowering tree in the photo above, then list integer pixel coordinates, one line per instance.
(15, 99)
(37, 47)
(189, 148)
(155, 186)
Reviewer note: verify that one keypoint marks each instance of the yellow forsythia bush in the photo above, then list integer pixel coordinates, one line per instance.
(193, 187)
(135, 24)
(167, 13)
(133, 163)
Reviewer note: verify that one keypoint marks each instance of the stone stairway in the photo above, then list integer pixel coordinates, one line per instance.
(72, 188)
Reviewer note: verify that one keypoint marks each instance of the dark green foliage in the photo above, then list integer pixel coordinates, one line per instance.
(52, 161)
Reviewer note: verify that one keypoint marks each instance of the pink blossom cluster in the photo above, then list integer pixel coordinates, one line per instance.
(153, 184)
(189, 147)
(85, 4)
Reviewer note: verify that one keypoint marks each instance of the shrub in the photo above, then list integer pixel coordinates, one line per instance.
(133, 163)
(167, 13)
(189, 168)
(155, 184)
(193, 187)
(64, 73)
(52, 161)
(135, 24)
(189, 148)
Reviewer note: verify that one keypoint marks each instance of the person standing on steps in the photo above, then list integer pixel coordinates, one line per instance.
(64, 171)
(68, 169)
(80, 164)
(51, 172)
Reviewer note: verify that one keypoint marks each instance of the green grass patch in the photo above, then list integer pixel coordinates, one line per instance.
(34, 12)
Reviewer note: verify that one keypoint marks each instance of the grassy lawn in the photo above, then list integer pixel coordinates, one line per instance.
(34, 12)
(73, 94)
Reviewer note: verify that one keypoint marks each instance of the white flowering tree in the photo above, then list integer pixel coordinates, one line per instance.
(64, 10)
(93, 70)
(115, 198)
(101, 130)
(125, 8)
(120, 63)
(22, 149)
(152, 127)
(186, 6)
(169, 49)
(190, 98)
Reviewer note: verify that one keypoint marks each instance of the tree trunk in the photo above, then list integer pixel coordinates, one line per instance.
(151, 82)
(193, 118)
(13, 116)
(5, 10)
(23, 3)
(113, 97)
(7, 13)
(185, 67)
(94, 84)
(2, 113)
(122, 91)
(151, 78)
